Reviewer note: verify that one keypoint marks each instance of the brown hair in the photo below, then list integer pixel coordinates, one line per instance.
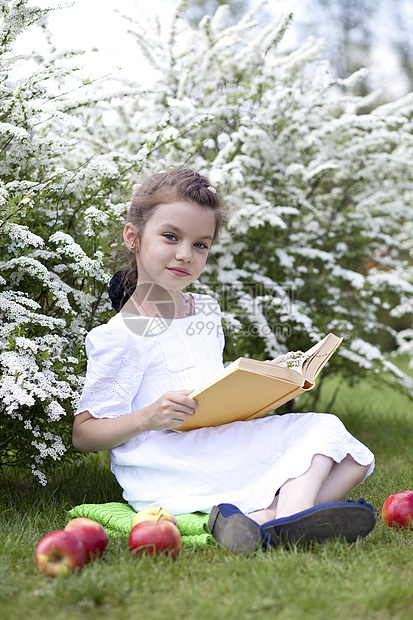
(165, 188)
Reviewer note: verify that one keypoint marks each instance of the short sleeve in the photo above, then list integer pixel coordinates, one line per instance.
(114, 370)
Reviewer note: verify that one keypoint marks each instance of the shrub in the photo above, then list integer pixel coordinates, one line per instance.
(320, 237)
(55, 228)
(320, 191)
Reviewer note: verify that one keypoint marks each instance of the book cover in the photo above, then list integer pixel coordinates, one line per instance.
(249, 388)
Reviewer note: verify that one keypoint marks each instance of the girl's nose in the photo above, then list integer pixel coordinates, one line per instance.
(184, 253)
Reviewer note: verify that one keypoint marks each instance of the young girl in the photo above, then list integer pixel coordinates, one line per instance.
(273, 478)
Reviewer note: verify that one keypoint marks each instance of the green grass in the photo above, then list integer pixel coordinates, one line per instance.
(370, 579)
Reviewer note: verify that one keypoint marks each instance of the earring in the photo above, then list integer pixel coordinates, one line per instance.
(132, 247)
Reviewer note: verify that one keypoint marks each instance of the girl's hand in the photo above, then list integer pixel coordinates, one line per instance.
(171, 410)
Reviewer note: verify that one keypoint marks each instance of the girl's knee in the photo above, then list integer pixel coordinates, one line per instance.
(358, 471)
(364, 471)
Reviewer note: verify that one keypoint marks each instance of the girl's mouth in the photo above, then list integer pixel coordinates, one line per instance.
(182, 273)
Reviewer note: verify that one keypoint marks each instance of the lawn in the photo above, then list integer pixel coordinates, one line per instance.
(369, 579)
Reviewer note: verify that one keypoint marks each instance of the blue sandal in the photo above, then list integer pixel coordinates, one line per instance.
(346, 520)
(235, 531)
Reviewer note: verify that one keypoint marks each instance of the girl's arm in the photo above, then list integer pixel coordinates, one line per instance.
(93, 434)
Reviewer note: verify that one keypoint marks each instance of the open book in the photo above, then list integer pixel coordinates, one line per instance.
(249, 388)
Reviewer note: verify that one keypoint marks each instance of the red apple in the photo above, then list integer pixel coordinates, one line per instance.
(397, 510)
(92, 535)
(60, 553)
(153, 514)
(161, 538)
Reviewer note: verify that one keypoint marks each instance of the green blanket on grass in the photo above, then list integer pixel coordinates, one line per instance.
(116, 518)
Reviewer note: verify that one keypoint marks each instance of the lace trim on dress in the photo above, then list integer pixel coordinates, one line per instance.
(113, 388)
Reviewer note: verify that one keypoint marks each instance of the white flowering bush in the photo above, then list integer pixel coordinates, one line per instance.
(320, 237)
(58, 205)
(320, 192)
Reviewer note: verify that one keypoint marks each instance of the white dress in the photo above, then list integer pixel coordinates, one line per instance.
(133, 360)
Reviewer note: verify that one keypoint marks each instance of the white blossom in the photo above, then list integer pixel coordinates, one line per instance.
(320, 195)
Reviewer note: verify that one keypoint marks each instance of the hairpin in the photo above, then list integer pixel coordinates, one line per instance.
(212, 189)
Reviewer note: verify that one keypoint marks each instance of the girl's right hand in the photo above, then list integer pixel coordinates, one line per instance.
(171, 410)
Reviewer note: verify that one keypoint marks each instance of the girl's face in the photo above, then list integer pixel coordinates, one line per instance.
(174, 246)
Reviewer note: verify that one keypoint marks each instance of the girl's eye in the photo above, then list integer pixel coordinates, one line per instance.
(201, 246)
(169, 236)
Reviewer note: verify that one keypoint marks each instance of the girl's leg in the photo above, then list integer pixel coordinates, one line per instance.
(300, 493)
(297, 493)
(342, 478)
(324, 481)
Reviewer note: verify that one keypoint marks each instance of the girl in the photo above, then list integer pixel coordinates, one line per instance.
(287, 472)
